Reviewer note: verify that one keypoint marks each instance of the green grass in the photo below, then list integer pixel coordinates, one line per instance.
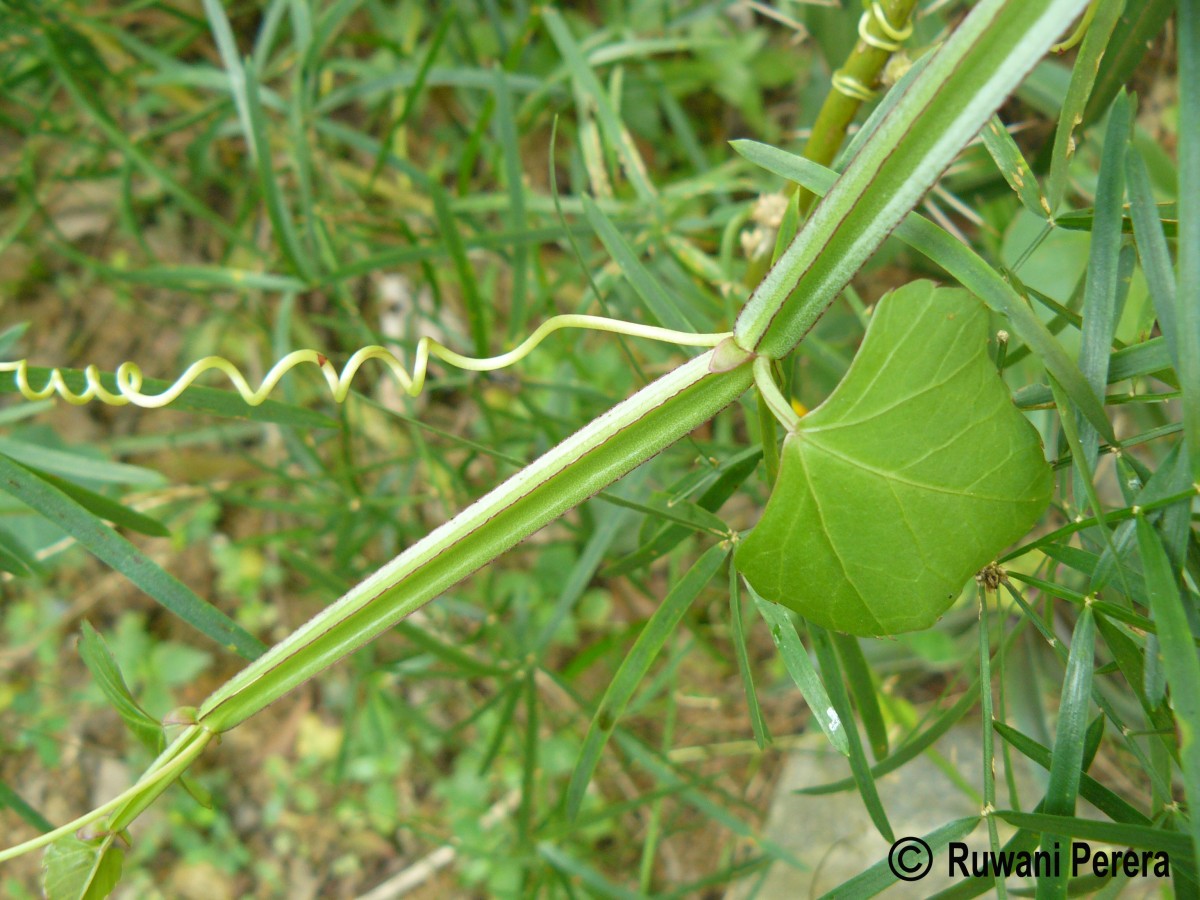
(601, 710)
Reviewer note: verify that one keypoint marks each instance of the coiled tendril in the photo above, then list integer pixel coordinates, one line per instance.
(891, 41)
(129, 378)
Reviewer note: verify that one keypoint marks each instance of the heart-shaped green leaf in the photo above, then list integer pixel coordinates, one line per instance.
(912, 475)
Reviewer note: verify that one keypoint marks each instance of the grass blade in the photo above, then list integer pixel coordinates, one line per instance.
(800, 668)
(200, 279)
(477, 315)
(912, 747)
(10, 337)
(1066, 765)
(1083, 76)
(688, 790)
(15, 559)
(737, 629)
(589, 86)
(1109, 803)
(416, 90)
(611, 523)
(663, 307)
(105, 507)
(1012, 165)
(506, 124)
(881, 876)
(1134, 34)
(1130, 657)
(54, 39)
(284, 227)
(1147, 358)
(1101, 297)
(30, 816)
(859, 767)
(1084, 470)
(1025, 839)
(864, 692)
(634, 668)
(1176, 845)
(988, 715)
(1152, 250)
(1187, 309)
(1180, 660)
(581, 873)
(733, 473)
(123, 556)
(78, 465)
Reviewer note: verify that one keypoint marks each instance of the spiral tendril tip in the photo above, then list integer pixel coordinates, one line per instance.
(129, 378)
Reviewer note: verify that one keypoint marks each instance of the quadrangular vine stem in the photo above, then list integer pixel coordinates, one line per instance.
(938, 114)
(628, 434)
